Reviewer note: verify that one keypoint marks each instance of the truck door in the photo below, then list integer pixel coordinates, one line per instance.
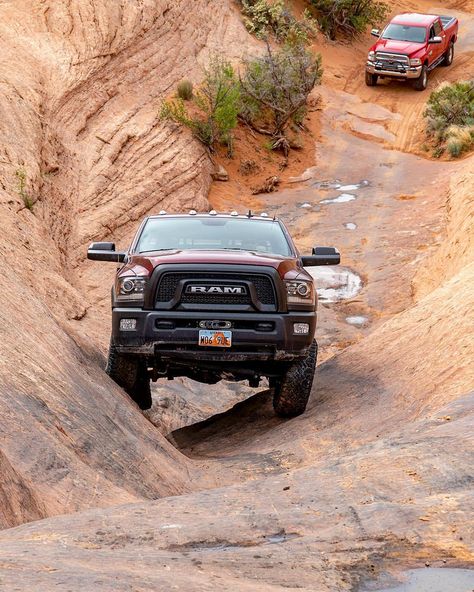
(436, 49)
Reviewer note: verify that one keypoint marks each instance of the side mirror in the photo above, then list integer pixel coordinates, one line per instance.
(436, 40)
(105, 252)
(322, 256)
(375, 32)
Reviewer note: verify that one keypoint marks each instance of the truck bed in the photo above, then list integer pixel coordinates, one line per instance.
(447, 21)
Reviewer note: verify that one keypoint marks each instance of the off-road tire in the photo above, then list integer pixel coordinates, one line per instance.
(448, 56)
(421, 82)
(131, 373)
(292, 391)
(371, 79)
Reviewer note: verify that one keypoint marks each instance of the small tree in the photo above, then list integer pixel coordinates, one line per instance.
(348, 17)
(275, 89)
(216, 106)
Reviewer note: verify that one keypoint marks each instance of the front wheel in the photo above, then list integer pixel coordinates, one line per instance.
(371, 79)
(421, 82)
(131, 373)
(449, 55)
(292, 391)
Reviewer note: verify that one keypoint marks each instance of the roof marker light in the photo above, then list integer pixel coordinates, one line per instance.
(162, 213)
(264, 215)
(192, 212)
(213, 213)
(234, 213)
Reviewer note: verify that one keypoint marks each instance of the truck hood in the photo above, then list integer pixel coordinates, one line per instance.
(151, 260)
(404, 47)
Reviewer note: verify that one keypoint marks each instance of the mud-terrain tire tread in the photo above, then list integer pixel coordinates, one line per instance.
(131, 374)
(291, 394)
(371, 79)
(448, 56)
(421, 82)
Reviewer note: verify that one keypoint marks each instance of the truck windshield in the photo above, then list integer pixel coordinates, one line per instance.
(405, 33)
(249, 234)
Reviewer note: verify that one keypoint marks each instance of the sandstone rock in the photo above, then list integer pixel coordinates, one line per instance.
(220, 173)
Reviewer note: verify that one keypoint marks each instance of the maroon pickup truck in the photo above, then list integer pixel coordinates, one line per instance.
(410, 46)
(211, 297)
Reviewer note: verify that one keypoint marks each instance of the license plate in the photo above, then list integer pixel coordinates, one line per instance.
(215, 338)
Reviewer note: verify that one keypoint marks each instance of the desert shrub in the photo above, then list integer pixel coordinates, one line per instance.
(275, 89)
(348, 17)
(184, 90)
(263, 19)
(215, 106)
(452, 104)
(450, 117)
(22, 179)
(459, 139)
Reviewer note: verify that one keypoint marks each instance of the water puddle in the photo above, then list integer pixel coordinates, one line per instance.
(357, 321)
(343, 198)
(335, 284)
(280, 537)
(432, 579)
(350, 226)
(348, 187)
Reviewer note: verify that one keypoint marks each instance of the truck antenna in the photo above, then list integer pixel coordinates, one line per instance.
(249, 215)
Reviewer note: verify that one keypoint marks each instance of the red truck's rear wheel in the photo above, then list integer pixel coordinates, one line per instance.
(449, 55)
(292, 391)
(131, 373)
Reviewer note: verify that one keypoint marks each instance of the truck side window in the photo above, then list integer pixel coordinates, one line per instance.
(432, 32)
(437, 28)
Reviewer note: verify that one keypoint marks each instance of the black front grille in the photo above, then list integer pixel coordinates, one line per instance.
(216, 299)
(169, 283)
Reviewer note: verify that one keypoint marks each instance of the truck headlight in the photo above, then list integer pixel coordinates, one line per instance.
(371, 56)
(300, 292)
(131, 289)
(415, 62)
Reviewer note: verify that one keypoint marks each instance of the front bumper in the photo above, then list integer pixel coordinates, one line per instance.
(410, 72)
(180, 341)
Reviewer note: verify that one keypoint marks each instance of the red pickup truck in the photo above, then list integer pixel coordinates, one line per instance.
(410, 46)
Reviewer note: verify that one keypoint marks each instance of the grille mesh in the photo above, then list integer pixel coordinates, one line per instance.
(169, 282)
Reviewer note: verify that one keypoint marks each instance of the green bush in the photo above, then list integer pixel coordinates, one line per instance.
(184, 90)
(215, 106)
(450, 116)
(348, 17)
(276, 86)
(263, 19)
(452, 104)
